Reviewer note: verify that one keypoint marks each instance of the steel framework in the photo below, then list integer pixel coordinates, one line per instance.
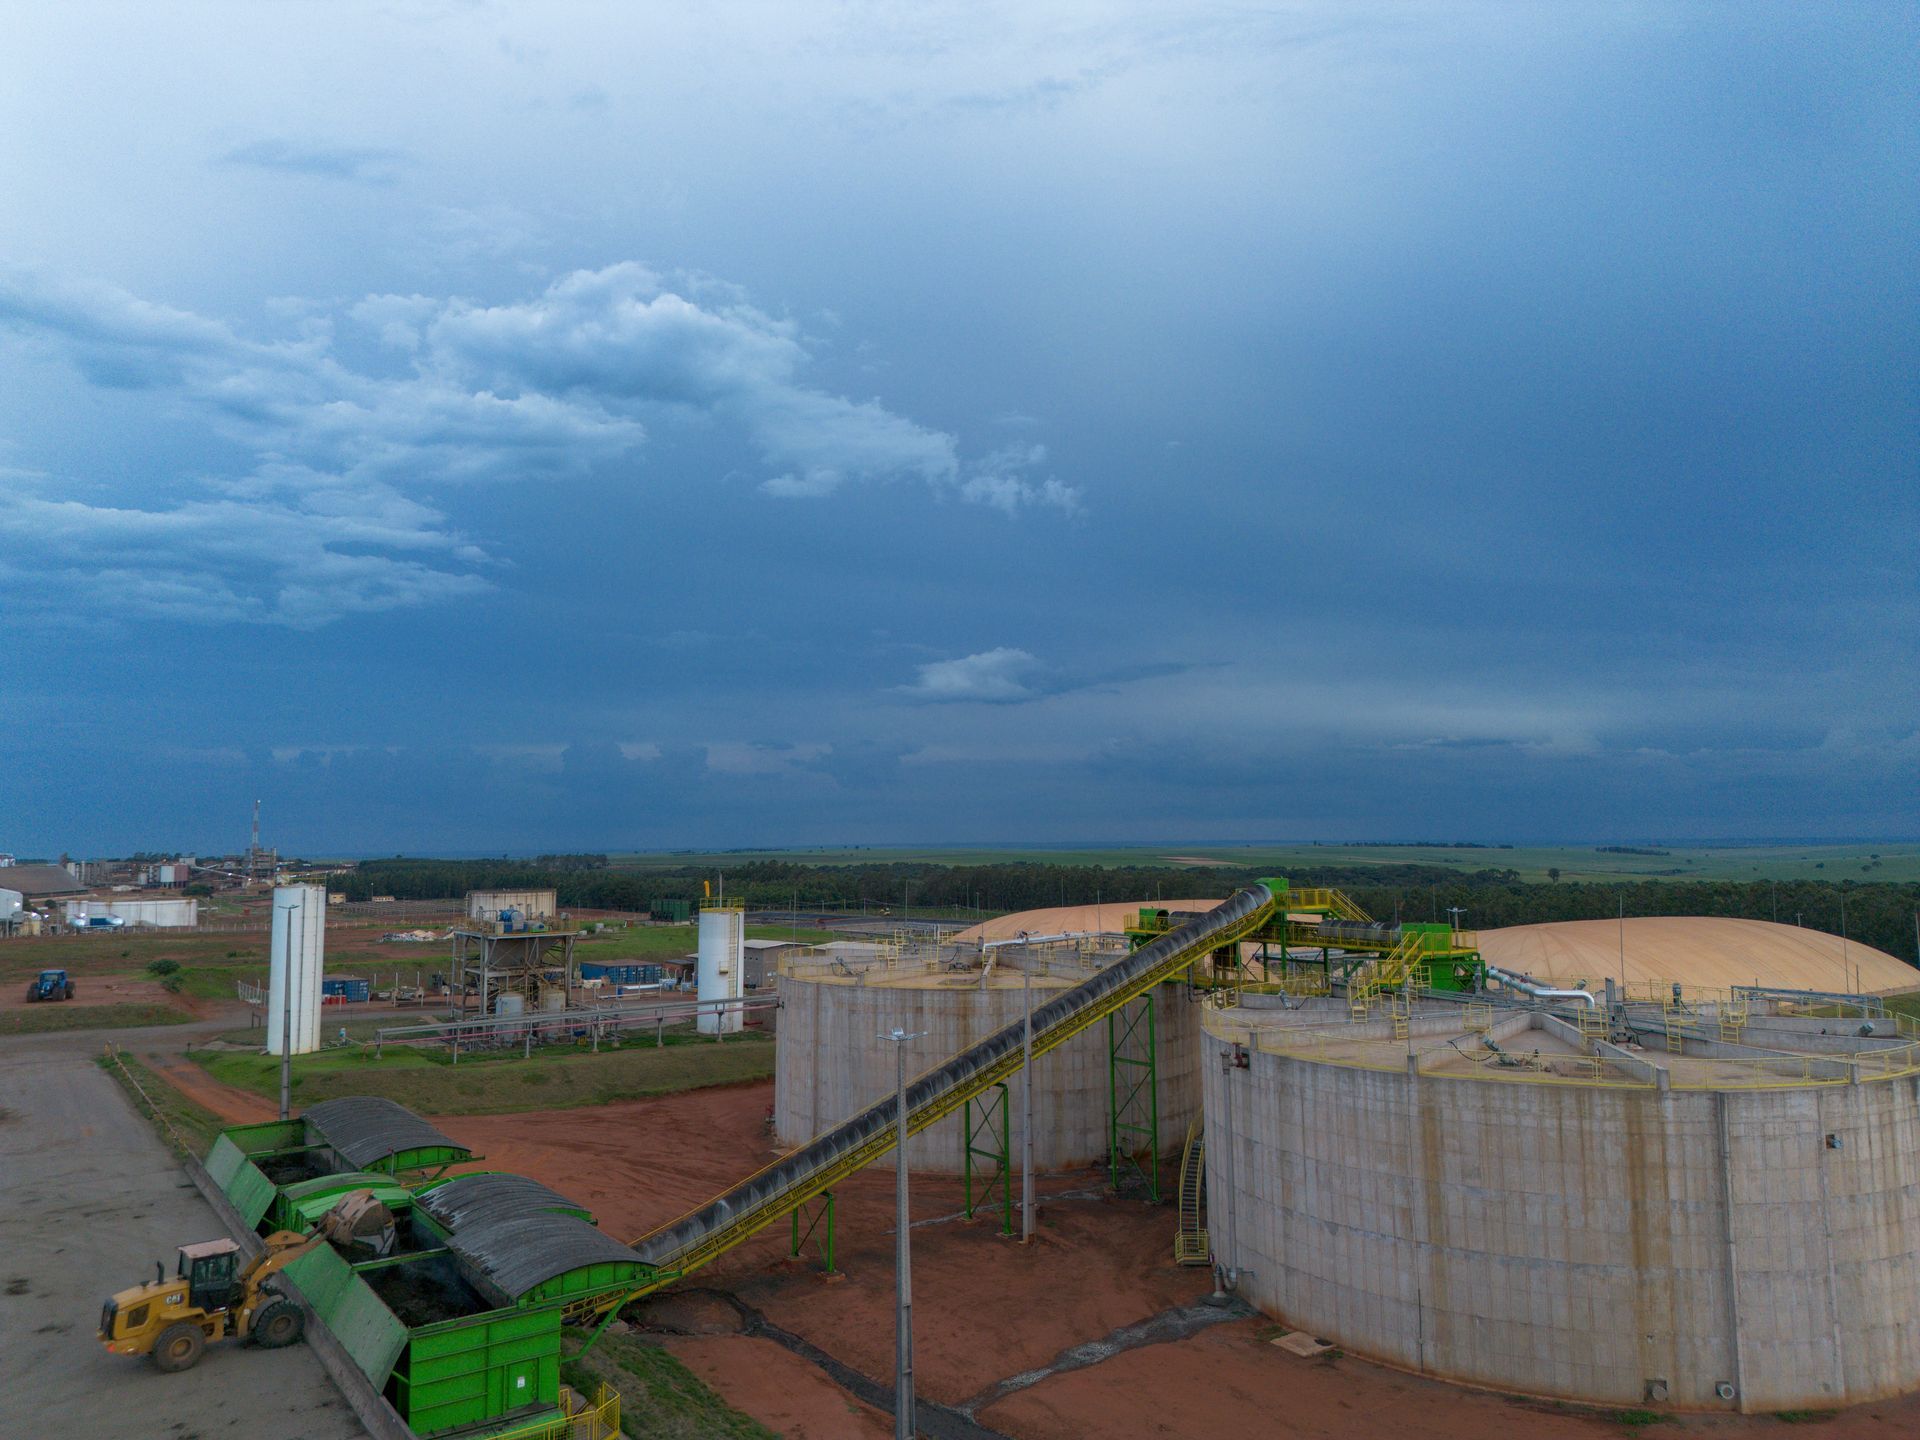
(1133, 1096)
(986, 1116)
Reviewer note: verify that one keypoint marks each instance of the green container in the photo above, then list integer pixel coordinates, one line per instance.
(300, 1206)
(479, 1368)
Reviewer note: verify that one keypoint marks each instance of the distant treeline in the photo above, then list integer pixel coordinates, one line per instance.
(1877, 914)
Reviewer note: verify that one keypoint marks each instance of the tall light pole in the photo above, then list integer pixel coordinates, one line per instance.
(1456, 911)
(1026, 1100)
(1843, 945)
(902, 1253)
(1623, 944)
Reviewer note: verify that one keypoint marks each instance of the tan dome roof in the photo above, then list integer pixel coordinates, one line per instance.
(1695, 950)
(1106, 919)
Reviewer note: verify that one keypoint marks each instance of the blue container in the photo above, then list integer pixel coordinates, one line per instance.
(630, 974)
(346, 989)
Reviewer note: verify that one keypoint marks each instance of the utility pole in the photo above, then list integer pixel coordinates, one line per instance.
(903, 1427)
(1026, 1101)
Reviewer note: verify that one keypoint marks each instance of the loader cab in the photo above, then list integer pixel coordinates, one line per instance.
(208, 1268)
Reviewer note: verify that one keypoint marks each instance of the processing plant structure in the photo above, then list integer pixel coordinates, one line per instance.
(1618, 1192)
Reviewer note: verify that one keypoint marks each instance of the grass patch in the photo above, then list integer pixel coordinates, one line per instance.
(558, 1078)
(1634, 1419)
(195, 1125)
(1805, 1417)
(660, 1399)
(50, 1016)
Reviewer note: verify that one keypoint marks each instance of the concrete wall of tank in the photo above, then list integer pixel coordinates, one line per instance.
(832, 1063)
(1578, 1241)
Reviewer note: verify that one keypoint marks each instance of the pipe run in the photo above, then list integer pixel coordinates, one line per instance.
(1534, 988)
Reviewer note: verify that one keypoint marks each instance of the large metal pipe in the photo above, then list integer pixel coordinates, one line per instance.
(1534, 988)
(1053, 1023)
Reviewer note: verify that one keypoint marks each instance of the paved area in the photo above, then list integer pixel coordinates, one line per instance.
(89, 1199)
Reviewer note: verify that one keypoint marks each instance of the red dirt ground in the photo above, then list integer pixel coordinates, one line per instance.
(984, 1308)
(786, 1394)
(229, 1102)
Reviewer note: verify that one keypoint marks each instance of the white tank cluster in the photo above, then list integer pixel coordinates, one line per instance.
(299, 951)
(722, 969)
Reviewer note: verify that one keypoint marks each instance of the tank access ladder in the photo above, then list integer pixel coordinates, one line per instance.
(1190, 1243)
(770, 1194)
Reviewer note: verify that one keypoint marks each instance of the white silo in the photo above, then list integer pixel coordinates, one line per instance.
(722, 973)
(293, 983)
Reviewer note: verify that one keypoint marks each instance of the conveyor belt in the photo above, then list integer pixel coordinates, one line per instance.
(831, 1156)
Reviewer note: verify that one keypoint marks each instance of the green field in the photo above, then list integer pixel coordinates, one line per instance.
(555, 1078)
(1893, 861)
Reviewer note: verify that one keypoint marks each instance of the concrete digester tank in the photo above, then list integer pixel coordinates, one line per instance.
(298, 954)
(721, 969)
(1722, 1210)
(834, 1058)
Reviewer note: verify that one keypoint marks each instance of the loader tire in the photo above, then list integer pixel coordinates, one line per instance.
(179, 1347)
(279, 1323)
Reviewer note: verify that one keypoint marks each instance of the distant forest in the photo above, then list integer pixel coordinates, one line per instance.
(1877, 914)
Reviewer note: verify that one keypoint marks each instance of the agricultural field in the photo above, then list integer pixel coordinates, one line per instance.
(1892, 861)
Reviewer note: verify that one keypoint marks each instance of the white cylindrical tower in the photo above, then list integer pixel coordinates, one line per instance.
(723, 965)
(299, 951)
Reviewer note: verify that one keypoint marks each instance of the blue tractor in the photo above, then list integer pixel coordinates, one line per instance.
(50, 985)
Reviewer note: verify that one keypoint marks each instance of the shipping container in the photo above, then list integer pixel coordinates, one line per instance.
(630, 974)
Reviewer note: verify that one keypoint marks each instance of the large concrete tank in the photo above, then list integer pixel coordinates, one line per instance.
(299, 940)
(834, 1058)
(1725, 1216)
(722, 971)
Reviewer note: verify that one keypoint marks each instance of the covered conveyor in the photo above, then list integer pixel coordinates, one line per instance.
(781, 1188)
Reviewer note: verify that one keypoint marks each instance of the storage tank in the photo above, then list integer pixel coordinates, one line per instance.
(722, 969)
(834, 1058)
(1721, 1211)
(509, 1002)
(299, 937)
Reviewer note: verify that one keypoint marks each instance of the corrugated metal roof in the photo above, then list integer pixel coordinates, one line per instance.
(367, 1129)
(33, 881)
(486, 1198)
(514, 1255)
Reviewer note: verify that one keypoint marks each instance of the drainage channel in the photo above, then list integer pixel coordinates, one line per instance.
(947, 1422)
(940, 1422)
(1169, 1325)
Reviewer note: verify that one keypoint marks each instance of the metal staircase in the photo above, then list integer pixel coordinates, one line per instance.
(1190, 1244)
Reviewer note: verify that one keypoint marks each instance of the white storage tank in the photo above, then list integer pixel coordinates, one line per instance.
(722, 972)
(293, 983)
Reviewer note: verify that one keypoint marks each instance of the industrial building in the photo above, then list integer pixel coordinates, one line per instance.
(168, 912)
(514, 907)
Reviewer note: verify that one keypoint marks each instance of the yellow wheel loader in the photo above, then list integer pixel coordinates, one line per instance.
(211, 1296)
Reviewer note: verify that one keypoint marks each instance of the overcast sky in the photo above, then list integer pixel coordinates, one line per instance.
(481, 428)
